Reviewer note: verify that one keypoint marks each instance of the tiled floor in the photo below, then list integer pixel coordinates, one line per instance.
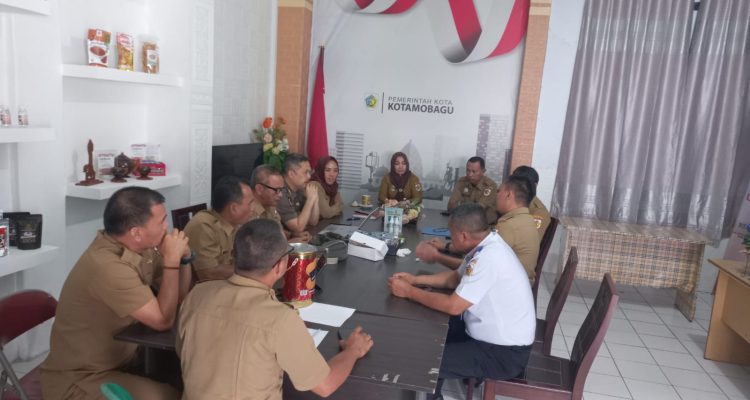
(651, 351)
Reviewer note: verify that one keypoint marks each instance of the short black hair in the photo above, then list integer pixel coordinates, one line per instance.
(522, 188)
(469, 217)
(129, 207)
(227, 190)
(478, 159)
(293, 160)
(261, 174)
(527, 172)
(258, 245)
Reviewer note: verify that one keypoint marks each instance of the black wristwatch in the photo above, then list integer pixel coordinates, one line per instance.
(188, 260)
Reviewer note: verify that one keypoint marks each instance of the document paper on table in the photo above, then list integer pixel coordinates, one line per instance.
(325, 314)
(318, 335)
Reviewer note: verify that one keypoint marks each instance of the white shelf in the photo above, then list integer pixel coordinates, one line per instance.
(19, 260)
(104, 190)
(35, 6)
(18, 134)
(112, 74)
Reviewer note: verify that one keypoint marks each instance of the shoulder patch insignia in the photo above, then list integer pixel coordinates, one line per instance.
(487, 192)
(418, 187)
(470, 267)
(538, 221)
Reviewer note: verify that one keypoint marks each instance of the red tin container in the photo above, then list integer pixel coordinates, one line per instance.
(299, 281)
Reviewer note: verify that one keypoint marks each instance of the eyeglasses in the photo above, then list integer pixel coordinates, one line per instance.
(276, 190)
(289, 249)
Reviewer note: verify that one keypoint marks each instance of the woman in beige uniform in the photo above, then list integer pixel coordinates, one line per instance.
(402, 188)
(325, 180)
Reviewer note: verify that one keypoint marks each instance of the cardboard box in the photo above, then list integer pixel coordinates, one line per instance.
(367, 247)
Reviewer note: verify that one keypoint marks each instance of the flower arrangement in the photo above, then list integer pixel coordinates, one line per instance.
(275, 143)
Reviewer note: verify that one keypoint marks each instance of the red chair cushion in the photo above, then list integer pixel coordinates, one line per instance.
(32, 386)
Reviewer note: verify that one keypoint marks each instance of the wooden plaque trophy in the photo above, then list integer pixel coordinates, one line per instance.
(88, 169)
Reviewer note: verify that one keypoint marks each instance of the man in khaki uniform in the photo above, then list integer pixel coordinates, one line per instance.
(536, 207)
(107, 290)
(211, 232)
(268, 185)
(298, 205)
(475, 187)
(516, 226)
(259, 338)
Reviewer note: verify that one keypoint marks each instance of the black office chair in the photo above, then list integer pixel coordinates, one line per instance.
(181, 216)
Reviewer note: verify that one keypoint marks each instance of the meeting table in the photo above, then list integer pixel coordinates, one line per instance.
(408, 337)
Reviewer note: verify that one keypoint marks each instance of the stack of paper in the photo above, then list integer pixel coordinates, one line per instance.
(325, 314)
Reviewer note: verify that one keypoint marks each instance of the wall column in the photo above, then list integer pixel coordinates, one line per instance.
(292, 68)
(531, 83)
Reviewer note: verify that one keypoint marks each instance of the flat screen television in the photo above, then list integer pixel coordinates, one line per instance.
(235, 159)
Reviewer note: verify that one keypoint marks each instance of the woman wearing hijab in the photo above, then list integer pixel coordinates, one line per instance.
(324, 180)
(401, 188)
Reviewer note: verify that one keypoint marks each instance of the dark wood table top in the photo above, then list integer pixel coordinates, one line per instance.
(362, 284)
(406, 353)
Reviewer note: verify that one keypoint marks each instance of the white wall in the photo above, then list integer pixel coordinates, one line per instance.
(562, 43)
(115, 115)
(241, 68)
(31, 174)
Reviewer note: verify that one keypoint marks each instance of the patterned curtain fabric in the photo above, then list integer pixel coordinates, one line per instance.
(657, 128)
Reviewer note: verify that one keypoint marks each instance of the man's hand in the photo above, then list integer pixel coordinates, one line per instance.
(360, 342)
(302, 237)
(399, 287)
(436, 243)
(311, 193)
(392, 203)
(427, 252)
(173, 246)
(411, 279)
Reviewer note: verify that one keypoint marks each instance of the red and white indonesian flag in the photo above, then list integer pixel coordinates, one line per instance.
(460, 33)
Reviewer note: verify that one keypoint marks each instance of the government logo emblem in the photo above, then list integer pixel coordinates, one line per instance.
(371, 102)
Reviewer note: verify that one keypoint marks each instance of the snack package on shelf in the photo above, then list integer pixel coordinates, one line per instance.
(150, 55)
(158, 168)
(146, 151)
(105, 160)
(124, 52)
(13, 225)
(29, 232)
(97, 43)
(4, 231)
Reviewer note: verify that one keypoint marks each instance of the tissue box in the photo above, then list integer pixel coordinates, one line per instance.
(367, 247)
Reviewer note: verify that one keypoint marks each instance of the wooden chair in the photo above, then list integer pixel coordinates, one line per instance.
(545, 328)
(544, 247)
(549, 377)
(181, 216)
(19, 313)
